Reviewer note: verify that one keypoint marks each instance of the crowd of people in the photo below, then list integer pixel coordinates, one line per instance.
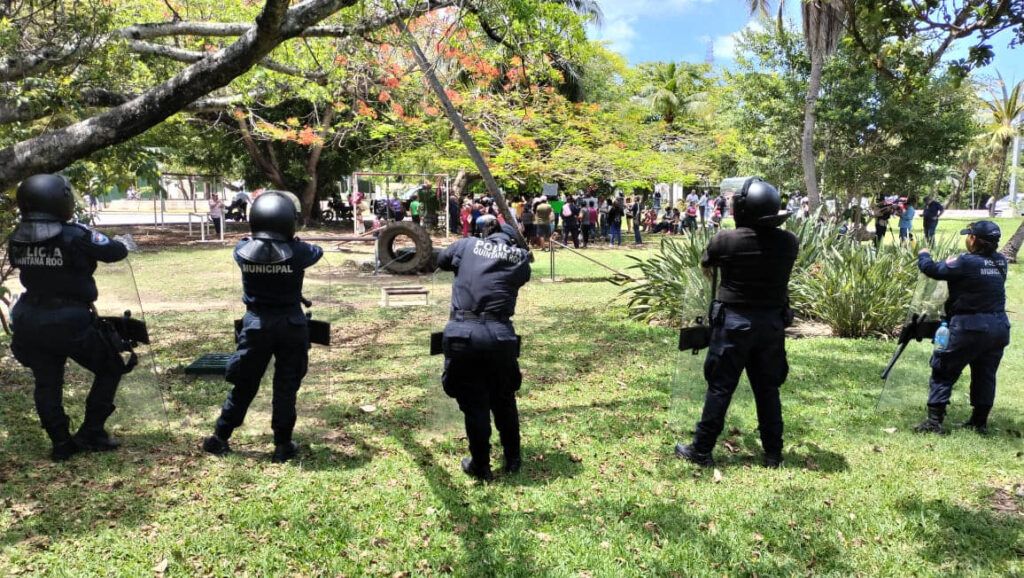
(586, 218)
(887, 208)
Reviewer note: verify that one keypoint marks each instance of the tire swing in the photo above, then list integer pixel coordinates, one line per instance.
(404, 261)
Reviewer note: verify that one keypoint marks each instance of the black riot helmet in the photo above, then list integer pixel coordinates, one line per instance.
(46, 198)
(273, 216)
(758, 204)
(514, 235)
(485, 226)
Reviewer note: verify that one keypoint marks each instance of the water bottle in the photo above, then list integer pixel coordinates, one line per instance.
(942, 337)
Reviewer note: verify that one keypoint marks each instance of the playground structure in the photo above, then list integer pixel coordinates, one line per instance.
(440, 183)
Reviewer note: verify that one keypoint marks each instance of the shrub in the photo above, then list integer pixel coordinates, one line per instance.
(672, 288)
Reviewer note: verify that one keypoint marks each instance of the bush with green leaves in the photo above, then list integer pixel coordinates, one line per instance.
(856, 289)
(672, 288)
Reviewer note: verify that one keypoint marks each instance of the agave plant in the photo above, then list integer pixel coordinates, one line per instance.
(672, 287)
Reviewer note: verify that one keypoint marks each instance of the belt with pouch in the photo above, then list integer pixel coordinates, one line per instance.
(274, 308)
(485, 316)
(54, 302)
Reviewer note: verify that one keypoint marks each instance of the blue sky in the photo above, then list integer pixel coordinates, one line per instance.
(644, 30)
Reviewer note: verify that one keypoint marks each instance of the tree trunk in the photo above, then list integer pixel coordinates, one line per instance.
(998, 190)
(313, 164)
(954, 198)
(807, 156)
(1012, 246)
(459, 184)
(266, 162)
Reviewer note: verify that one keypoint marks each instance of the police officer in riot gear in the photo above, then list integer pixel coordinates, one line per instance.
(979, 329)
(273, 263)
(54, 320)
(481, 368)
(748, 319)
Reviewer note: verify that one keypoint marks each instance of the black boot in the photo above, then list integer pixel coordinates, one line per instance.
(936, 414)
(979, 419)
(64, 446)
(773, 460)
(284, 452)
(513, 464)
(216, 445)
(513, 456)
(483, 474)
(96, 440)
(690, 454)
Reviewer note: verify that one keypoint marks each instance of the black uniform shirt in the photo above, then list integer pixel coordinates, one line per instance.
(977, 283)
(755, 265)
(488, 274)
(62, 266)
(276, 284)
(932, 210)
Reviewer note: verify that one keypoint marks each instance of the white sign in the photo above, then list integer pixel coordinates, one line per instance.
(550, 189)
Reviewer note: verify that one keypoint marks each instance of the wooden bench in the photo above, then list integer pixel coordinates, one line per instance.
(388, 294)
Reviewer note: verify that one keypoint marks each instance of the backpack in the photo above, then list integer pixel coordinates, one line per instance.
(567, 210)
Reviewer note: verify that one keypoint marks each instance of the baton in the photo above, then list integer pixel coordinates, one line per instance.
(895, 358)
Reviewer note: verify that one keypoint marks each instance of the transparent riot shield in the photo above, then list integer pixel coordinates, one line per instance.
(687, 388)
(318, 390)
(905, 376)
(141, 400)
(439, 416)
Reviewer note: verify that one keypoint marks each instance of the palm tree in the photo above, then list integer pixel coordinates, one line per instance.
(671, 87)
(1005, 109)
(824, 22)
(968, 160)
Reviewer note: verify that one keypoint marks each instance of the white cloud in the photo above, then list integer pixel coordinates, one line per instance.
(617, 32)
(725, 46)
(620, 16)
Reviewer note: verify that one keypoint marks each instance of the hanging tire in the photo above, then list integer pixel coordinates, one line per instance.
(402, 262)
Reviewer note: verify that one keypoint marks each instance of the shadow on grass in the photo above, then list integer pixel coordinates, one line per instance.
(971, 541)
(474, 524)
(90, 491)
(541, 467)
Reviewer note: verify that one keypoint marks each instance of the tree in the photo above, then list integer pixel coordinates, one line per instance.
(1005, 108)
(762, 104)
(43, 52)
(823, 26)
(823, 22)
(892, 34)
(670, 87)
(871, 134)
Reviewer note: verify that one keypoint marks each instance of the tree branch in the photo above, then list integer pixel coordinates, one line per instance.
(268, 167)
(276, 24)
(12, 69)
(192, 56)
(56, 149)
(102, 98)
(149, 31)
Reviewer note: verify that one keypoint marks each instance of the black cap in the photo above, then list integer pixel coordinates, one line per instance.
(984, 230)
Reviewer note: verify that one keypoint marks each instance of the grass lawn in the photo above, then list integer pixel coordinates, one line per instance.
(379, 491)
